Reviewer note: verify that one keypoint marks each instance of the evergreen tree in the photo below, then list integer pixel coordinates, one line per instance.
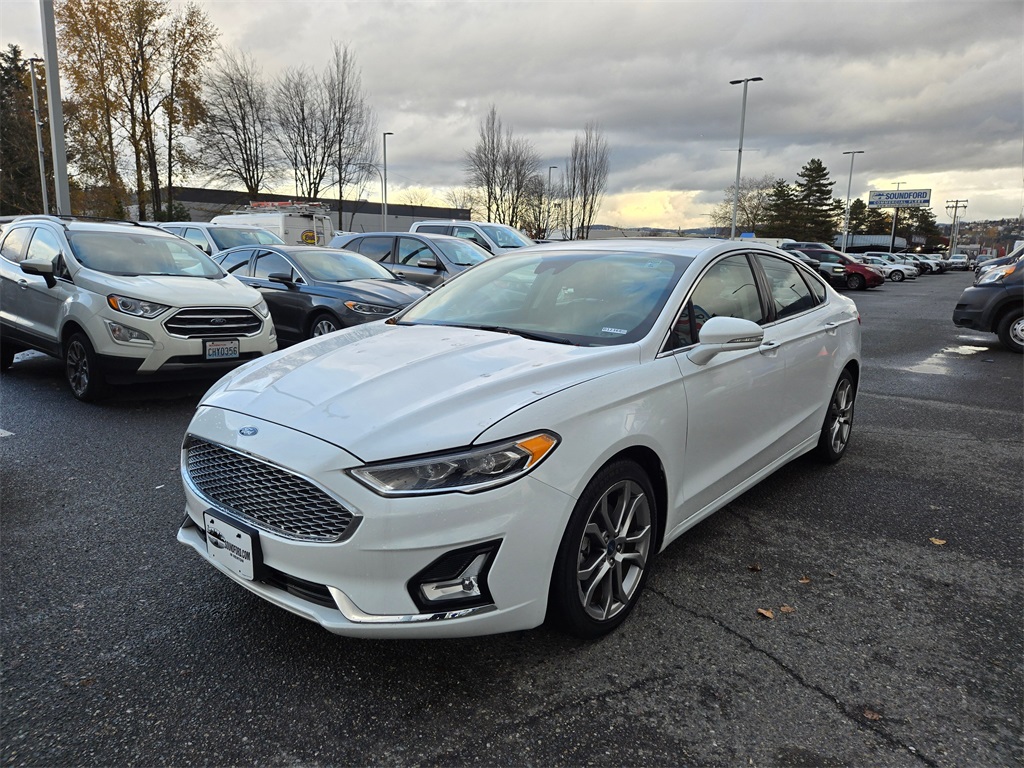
(782, 214)
(20, 190)
(820, 212)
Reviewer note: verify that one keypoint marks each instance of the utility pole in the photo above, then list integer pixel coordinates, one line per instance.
(954, 230)
(39, 133)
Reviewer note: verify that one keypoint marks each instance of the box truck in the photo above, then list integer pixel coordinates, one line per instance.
(295, 223)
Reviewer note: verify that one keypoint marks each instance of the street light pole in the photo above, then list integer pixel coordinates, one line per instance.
(384, 184)
(739, 153)
(547, 224)
(39, 134)
(895, 215)
(849, 186)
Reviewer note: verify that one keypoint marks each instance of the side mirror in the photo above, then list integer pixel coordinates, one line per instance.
(40, 267)
(428, 262)
(281, 277)
(725, 334)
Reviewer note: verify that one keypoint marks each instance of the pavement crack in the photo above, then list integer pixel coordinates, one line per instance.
(846, 711)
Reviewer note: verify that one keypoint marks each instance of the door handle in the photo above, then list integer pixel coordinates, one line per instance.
(830, 328)
(399, 274)
(768, 347)
(23, 284)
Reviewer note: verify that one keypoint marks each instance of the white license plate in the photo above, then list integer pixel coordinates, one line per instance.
(232, 547)
(220, 349)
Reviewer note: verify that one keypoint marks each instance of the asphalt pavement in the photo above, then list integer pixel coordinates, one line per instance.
(863, 614)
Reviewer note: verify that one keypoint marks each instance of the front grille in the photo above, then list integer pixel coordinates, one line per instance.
(205, 322)
(265, 495)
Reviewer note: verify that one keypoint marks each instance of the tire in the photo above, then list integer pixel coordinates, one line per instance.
(1011, 330)
(321, 324)
(605, 553)
(835, 431)
(856, 282)
(82, 369)
(897, 276)
(7, 353)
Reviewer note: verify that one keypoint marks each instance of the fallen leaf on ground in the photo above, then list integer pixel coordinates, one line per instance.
(872, 715)
(937, 542)
(787, 609)
(805, 580)
(755, 567)
(766, 612)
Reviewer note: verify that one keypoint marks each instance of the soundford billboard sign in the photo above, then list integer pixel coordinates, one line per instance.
(900, 198)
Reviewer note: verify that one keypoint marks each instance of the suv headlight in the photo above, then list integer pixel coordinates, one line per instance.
(135, 307)
(470, 470)
(262, 309)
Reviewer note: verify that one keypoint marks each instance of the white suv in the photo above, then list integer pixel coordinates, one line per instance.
(214, 238)
(116, 300)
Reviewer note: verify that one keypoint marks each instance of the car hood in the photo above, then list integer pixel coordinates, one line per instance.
(174, 291)
(382, 391)
(395, 293)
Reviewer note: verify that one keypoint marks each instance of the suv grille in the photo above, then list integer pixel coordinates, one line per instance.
(213, 321)
(267, 496)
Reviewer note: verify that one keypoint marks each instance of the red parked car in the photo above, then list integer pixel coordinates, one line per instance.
(858, 276)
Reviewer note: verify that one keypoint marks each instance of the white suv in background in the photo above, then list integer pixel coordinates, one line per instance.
(213, 238)
(115, 301)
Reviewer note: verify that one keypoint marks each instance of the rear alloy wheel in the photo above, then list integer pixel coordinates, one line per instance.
(1011, 331)
(835, 432)
(322, 324)
(897, 276)
(605, 553)
(856, 282)
(82, 369)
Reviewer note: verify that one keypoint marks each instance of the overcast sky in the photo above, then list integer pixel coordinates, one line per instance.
(932, 92)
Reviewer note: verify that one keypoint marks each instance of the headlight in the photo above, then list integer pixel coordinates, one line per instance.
(996, 274)
(471, 470)
(135, 307)
(262, 308)
(370, 309)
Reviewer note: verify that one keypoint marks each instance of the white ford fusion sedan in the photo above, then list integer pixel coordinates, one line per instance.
(518, 445)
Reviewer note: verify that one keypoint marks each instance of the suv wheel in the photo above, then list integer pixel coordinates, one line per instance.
(82, 369)
(1011, 330)
(897, 276)
(856, 282)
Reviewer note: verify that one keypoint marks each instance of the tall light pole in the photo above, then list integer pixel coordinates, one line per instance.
(547, 224)
(739, 153)
(58, 149)
(384, 182)
(895, 215)
(39, 134)
(849, 186)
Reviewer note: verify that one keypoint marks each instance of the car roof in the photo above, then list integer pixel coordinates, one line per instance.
(76, 224)
(691, 247)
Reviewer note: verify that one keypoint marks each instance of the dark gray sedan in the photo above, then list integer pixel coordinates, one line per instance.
(425, 259)
(312, 291)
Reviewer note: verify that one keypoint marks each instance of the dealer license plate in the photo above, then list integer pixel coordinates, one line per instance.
(220, 349)
(233, 545)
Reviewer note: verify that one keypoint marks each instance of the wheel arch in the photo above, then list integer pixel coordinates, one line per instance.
(651, 464)
(1004, 309)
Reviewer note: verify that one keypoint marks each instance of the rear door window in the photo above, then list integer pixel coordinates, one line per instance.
(13, 248)
(378, 248)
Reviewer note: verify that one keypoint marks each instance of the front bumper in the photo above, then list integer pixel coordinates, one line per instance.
(974, 309)
(360, 585)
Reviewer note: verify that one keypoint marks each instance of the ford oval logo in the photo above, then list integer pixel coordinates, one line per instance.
(248, 431)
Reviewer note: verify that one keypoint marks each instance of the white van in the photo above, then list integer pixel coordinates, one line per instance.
(294, 223)
(496, 238)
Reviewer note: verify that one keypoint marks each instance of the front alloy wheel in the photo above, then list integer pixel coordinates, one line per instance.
(1011, 331)
(323, 324)
(856, 282)
(82, 369)
(603, 559)
(897, 276)
(835, 432)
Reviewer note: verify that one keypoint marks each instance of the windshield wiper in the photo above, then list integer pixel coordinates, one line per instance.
(519, 332)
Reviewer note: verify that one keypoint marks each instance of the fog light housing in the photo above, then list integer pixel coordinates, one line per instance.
(457, 579)
(125, 334)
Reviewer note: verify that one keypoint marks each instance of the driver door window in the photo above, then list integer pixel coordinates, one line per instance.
(727, 289)
(269, 263)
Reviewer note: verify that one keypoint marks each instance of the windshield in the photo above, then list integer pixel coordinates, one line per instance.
(506, 237)
(133, 253)
(461, 252)
(229, 237)
(577, 297)
(336, 266)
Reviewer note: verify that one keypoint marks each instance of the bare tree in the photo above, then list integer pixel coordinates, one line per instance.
(463, 198)
(584, 182)
(237, 143)
(752, 208)
(501, 167)
(305, 128)
(353, 123)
